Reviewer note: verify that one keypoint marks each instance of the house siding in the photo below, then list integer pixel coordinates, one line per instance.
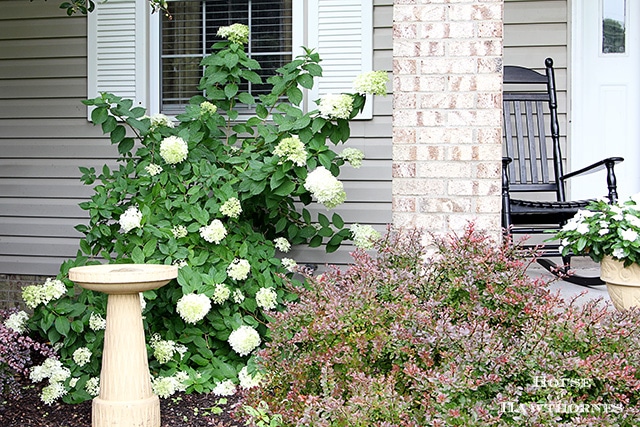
(45, 137)
(533, 31)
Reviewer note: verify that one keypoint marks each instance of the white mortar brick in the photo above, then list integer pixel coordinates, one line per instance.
(444, 169)
(461, 188)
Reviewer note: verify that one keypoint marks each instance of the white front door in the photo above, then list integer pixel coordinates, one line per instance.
(605, 93)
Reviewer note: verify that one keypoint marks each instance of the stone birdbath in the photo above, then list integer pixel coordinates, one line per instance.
(126, 397)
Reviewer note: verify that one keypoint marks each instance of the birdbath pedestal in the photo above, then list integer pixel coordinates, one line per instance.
(126, 397)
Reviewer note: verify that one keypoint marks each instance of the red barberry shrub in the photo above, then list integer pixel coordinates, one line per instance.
(459, 336)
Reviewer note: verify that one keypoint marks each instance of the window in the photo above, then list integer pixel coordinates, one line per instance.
(155, 62)
(188, 36)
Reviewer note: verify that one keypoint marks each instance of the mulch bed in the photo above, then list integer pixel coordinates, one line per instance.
(179, 410)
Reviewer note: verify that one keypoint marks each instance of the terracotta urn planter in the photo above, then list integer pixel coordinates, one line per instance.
(126, 397)
(623, 283)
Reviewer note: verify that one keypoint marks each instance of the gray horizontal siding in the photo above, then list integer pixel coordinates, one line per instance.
(45, 137)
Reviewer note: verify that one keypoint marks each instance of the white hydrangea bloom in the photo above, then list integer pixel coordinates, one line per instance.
(267, 298)
(92, 386)
(282, 244)
(633, 220)
(52, 392)
(97, 322)
(239, 269)
(224, 388)
(336, 106)
(73, 382)
(221, 293)
(244, 340)
(51, 289)
(353, 156)
(247, 380)
(153, 169)
(17, 322)
(231, 208)
(325, 187)
(373, 82)
(193, 307)
(292, 149)
(173, 149)
(214, 232)
(207, 108)
(180, 263)
(163, 350)
(289, 264)
(158, 120)
(618, 253)
(130, 219)
(51, 368)
(164, 386)
(363, 236)
(238, 296)
(236, 33)
(179, 231)
(82, 356)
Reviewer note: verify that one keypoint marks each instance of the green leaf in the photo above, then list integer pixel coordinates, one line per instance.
(150, 247)
(337, 221)
(295, 95)
(99, 115)
(305, 80)
(246, 98)
(118, 134)
(315, 241)
(323, 220)
(231, 90)
(285, 189)
(137, 256)
(125, 146)
(62, 325)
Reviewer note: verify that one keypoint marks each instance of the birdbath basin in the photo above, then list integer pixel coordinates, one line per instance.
(126, 397)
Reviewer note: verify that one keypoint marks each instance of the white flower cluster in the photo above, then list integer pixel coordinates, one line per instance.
(373, 82)
(82, 356)
(239, 269)
(51, 289)
(51, 368)
(167, 386)
(236, 33)
(292, 149)
(364, 236)
(244, 340)
(289, 264)
(221, 293)
(238, 296)
(267, 298)
(158, 120)
(282, 244)
(325, 187)
(179, 231)
(164, 350)
(214, 232)
(353, 156)
(130, 219)
(224, 388)
(248, 380)
(97, 322)
(193, 307)
(231, 208)
(153, 169)
(207, 108)
(336, 106)
(17, 322)
(92, 386)
(173, 149)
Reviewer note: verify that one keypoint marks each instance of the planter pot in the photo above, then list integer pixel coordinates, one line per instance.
(623, 283)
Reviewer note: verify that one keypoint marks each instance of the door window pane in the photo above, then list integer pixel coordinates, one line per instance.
(614, 18)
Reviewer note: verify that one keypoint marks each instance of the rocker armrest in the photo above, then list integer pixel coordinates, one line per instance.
(608, 162)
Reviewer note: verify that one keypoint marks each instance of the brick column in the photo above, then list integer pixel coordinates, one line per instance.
(447, 90)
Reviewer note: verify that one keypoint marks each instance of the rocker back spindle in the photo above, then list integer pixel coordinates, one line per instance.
(530, 123)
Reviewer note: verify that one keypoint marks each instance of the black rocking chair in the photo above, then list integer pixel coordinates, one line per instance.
(530, 112)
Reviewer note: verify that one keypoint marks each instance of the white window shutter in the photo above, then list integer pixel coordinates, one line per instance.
(116, 55)
(341, 31)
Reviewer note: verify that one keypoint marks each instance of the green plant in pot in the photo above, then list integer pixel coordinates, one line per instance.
(221, 194)
(609, 234)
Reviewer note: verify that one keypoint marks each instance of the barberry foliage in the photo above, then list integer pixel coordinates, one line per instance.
(458, 336)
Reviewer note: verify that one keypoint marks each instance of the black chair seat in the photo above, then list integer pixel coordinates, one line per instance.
(534, 211)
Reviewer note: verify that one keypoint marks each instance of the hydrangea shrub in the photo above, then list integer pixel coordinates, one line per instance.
(459, 336)
(220, 194)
